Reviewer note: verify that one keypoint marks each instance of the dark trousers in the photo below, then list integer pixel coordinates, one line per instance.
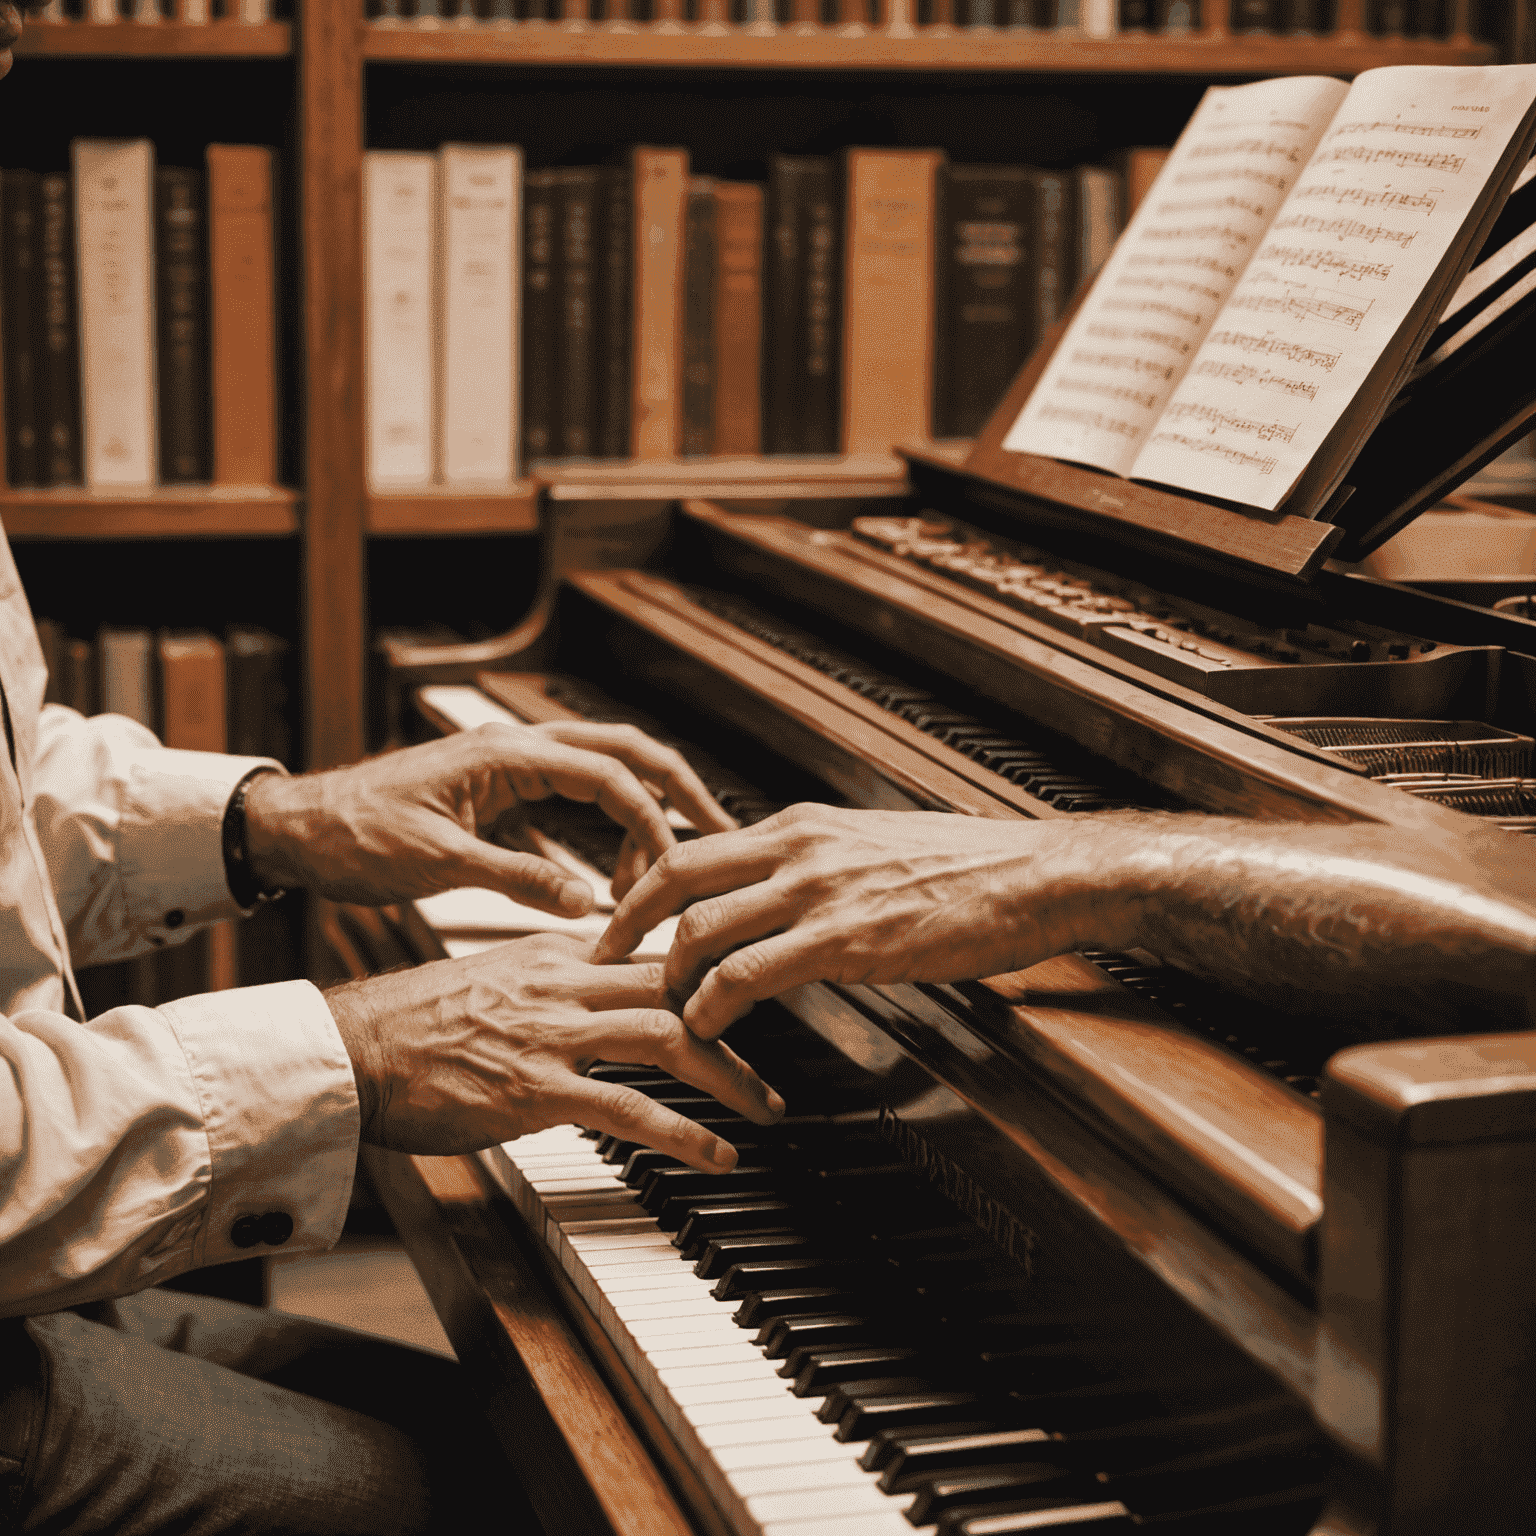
(165, 1412)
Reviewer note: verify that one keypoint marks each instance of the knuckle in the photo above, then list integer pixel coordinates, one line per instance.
(700, 920)
(742, 967)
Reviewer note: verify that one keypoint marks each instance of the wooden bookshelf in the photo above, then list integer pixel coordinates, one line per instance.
(444, 511)
(635, 45)
(779, 478)
(155, 39)
(166, 512)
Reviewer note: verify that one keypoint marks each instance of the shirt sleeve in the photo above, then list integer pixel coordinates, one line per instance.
(132, 832)
(154, 1140)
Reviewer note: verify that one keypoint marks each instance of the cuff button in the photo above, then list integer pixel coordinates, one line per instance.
(175, 918)
(274, 1228)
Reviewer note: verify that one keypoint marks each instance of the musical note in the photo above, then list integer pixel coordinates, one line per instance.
(1302, 306)
(1244, 373)
(1231, 173)
(1236, 456)
(1403, 159)
(1291, 351)
(1109, 391)
(1120, 333)
(1265, 147)
(1154, 306)
(1201, 232)
(1418, 130)
(1265, 431)
(1206, 263)
(1347, 229)
(1127, 360)
(1157, 284)
(1326, 261)
(1090, 419)
(1409, 202)
(1202, 204)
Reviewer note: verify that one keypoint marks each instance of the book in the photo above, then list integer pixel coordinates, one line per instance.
(243, 315)
(181, 325)
(576, 213)
(79, 678)
(20, 263)
(615, 330)
(888, 289)
(659, 191)
(481, 234)
(1276, 288)
(698, 384)
(114, 231)
(738, 317)
(399, 282)
(1054, 239)
(51, 641)
(1141, 167)
(126, 659)
(985, 309)
(58, 393)
(541, 315)
(1098, 220)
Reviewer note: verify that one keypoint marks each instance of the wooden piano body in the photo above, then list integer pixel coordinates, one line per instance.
(1365, 1232)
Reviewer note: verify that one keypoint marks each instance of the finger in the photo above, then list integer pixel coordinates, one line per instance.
(714, 926)
(619, 1111)
(751, 975)
(525, 877)
(632, 863)
(706, 867)
(663, 766)
(577, 774)
(657, 1038)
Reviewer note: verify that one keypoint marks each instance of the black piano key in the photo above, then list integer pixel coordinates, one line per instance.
(745, 1279)
(722, 1253)
(725, 1126)
(662, 1185)
(1274, 1512)
(1275, 1462)
(863, 1418)
(1108, 1518)
(885, 1446)
(628, 1072)
(1032, 1487)
(845, 1395)
(785, 1337)
(823, 1369)
(902, 1457)
(763, 1306)
(676, 1209)
(739, 1219)
(639, 1163)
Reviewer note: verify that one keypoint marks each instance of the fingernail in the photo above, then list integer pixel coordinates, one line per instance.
(724, 1155)
(576, 898)
(775, 1102)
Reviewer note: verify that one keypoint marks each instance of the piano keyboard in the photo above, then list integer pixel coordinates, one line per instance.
(835, 1351)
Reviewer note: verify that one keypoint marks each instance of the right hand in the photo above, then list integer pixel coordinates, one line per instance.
(462, 1054)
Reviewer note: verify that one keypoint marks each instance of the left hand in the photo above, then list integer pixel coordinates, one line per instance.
(10, 32)
(407, 824)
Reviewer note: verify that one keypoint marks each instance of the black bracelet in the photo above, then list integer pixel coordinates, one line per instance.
(243, 884)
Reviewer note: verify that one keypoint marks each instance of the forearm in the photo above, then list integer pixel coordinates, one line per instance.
(1356, 918)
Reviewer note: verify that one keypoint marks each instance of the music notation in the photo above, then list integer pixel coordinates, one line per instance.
(1327, 261)
(1417, 130)
(1361, 197)
(1109, 391)
(1093, 419)
(1264, 147)
(1231, 173)
(1291, 351)
(1304, 306)
(1347, 229)
(1206, 263)
(1263, 463)
(1152, 306)
(1132, 361)
(1245, 373)
(1403, 159)
(1222, 232)
(1158, 284)
(1211, 204)
(1158, 338)
(1214, 416)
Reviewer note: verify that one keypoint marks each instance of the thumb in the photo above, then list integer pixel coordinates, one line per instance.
(525, 877)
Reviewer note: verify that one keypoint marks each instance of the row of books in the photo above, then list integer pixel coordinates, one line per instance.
(636, 310)
(1383, 18)
(200, 693)
(138, 324)
(191, 12)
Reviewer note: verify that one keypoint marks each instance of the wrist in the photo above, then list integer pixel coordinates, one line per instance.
(356, 1023)
(1093, 896)
(275, 831)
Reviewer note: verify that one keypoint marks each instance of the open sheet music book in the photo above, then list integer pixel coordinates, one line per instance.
(1278, 283)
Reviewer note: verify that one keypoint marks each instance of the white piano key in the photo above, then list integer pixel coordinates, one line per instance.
(711, 1352)
(769, 1390)
(700, 1408)
(739, 1370)
(794, 1449)
(803, 1477)
(831, 1523)
(636, 1311)
(737, 1435)
(1051, 1518)
(808, 1504)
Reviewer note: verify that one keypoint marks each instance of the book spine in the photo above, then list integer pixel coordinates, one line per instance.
(698, 402)
(783, 254)
(985, 302)
(114, 226)
(243, 314)
(660, 188)
(480, 219)
(256, 693)
(577, 222)
(181, 325)
(888, 294)
(1255, 15)
(399, 200)
(540, 315)
(738, 317)
(820, 309)
(59, 398)
(1053, 250)
(19, 271)
(80, 688)
(126, 658)
(1143, 165)
(1098, 219)
(51, 641)
(615, 331)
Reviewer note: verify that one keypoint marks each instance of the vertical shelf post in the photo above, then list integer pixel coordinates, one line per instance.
(330, 68)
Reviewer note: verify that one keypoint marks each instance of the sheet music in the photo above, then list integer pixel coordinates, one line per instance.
(1347, 259)
(1171, 271)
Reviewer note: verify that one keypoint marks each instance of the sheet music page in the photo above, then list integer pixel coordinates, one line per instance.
(1346, 261)
(1171, 271)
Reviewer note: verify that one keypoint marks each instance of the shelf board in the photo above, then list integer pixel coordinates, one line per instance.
(165, 512)
(715, 46)
(155, 39)
(776, 478)
(442, 510)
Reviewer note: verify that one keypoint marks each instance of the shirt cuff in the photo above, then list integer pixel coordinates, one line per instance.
(279, 1105)
(170, 840)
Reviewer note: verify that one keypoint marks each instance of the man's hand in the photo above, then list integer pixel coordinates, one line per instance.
(10, 31)
(819, 894)
(411, 823)
(463, 1054)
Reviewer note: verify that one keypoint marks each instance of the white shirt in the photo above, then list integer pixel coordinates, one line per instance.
(131, 1145)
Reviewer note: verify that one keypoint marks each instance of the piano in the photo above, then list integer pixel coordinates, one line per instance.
(1089, 1248)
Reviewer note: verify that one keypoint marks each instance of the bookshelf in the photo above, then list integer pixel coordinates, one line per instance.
(343, 82)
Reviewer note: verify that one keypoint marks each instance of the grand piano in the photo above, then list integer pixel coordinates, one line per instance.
(1086, 1248)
